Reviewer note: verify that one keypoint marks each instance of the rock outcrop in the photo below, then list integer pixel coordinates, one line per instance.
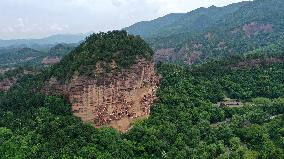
(113, 99)
(183, 55)
(255, 28)
(51, 60)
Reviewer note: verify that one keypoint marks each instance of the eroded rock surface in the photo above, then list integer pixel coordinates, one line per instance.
(51, 60)
(183, 55)
(254, 28)
(113, 99)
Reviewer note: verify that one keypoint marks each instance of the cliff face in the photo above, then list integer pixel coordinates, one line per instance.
(50, 60)
(113, 99)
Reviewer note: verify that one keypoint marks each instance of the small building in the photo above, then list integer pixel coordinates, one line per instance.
(230, 104)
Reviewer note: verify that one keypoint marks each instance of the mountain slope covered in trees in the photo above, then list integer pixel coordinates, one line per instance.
(241, 64)
(237, 29)
(184, 123)
(103, 49)
(176, 23)
(14, 57)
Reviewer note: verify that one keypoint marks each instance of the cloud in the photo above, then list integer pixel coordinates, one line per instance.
(22, 27)
(116, 3)
(20, 22)
(57, 27)
(7, 30)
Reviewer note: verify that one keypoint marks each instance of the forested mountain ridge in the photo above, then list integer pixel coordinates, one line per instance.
(245, 26)
(176, 23)
(148, 28)
(103, 49)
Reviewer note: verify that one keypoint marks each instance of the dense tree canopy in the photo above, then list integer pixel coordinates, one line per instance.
(184, 122)
(187, 120)
(217, 32)
(103, 48)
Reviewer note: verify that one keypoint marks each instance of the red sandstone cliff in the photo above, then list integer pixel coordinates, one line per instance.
(113, 99)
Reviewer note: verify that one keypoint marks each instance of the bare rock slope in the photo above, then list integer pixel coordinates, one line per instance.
(114, 99)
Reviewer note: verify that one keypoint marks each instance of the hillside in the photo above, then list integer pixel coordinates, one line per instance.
(18, 62)
(9, 77)
(56, 53)
(185, 121)
(176, 23)
(149, 28)
(61, 49)
(237, 29)
(101, 51)
(109, 80)
(219, 95)
(13, 57)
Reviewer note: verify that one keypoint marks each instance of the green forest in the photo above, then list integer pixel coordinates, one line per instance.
(217, 32)
(241, 61)
(19, 56)
(184, 123)
(28, 57)
(117, 46)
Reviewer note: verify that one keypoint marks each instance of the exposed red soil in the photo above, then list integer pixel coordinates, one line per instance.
(254, 28)
(51, 60)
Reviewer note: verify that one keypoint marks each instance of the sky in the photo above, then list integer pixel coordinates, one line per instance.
(41, 18)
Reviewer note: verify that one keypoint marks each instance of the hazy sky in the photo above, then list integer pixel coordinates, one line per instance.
(40, 18)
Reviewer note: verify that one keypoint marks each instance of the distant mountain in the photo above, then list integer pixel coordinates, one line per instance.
(149, 28)
(39, 43)
(13, 57)
(19, 57)
(61, 49)
(175, 23)
(215, 32)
